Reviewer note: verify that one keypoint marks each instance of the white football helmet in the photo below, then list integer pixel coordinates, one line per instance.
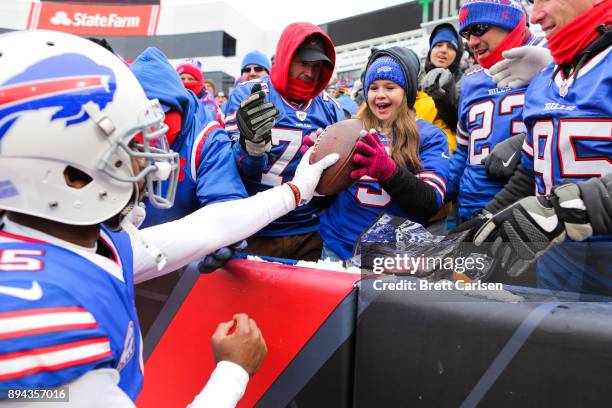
(67, 103)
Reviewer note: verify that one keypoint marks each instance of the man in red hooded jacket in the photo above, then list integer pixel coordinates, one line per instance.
(270, 119)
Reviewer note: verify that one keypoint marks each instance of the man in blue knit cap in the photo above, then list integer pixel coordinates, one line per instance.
(254, 65)
(488, 115)
(444, 47)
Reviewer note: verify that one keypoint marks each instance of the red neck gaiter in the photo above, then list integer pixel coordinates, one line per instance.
(174, 120)
(195, 87)
(572, 39)
(516, 38)
(300, 91)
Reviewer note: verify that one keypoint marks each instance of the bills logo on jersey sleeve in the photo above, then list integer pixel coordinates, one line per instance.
(129, 347)
(46, 85)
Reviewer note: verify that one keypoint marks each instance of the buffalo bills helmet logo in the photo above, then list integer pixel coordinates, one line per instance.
(67, 81)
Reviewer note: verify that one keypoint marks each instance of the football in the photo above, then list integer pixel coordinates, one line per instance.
(338, 138)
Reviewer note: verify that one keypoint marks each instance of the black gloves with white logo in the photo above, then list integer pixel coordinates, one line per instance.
(506, 155)
(256, 118)
(520, 233)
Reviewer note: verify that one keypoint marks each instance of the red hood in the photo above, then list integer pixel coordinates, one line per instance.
(290, 40)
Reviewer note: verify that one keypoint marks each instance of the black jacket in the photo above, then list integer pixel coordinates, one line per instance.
(448, 106)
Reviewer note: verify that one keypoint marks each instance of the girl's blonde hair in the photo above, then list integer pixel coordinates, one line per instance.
(404, 141)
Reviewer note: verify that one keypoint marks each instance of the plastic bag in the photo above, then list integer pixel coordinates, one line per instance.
(400, 246)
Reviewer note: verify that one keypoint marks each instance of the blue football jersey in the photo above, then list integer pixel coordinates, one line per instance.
(278, 166)
(64, 312)
(569, 139)
(356, 208)
(569, 123)
(488, 115)
(208, 174)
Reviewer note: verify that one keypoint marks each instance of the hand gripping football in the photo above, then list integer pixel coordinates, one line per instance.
(338, 138)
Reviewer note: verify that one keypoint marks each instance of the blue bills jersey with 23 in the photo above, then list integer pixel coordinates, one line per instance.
(488, 115)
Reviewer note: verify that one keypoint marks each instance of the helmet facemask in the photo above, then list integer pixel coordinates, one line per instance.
(146, 144)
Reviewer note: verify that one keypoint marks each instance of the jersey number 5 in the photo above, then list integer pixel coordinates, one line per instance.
(371, 197)
(20, 260)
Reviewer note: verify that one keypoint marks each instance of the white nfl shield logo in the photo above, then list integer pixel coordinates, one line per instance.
(301, 115)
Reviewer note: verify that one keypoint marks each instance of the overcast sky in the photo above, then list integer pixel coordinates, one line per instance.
(275, 15)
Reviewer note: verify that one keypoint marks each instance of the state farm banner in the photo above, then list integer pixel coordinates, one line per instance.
(90, 19)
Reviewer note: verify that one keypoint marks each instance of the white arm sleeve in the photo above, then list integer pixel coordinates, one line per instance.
(225, 387)
(208, 229)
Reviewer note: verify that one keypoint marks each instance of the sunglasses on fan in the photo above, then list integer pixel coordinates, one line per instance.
(256, 69)
(475, 29)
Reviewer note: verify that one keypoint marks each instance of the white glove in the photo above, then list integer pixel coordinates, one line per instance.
(307, 175)
(519, 66)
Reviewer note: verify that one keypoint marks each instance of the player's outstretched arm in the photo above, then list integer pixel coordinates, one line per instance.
(214, 226)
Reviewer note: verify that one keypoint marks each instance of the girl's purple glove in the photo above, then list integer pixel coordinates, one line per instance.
(372, 158)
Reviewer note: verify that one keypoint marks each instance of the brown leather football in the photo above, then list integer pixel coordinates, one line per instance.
(338, 138)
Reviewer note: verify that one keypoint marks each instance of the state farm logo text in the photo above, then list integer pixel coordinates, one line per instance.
(80, 19)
